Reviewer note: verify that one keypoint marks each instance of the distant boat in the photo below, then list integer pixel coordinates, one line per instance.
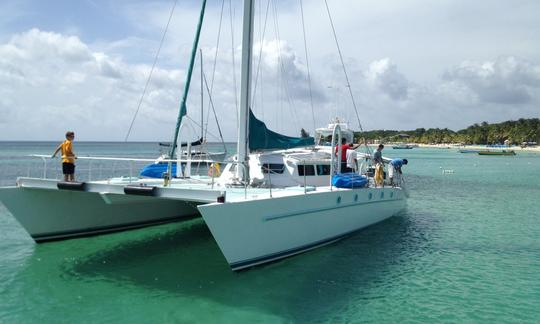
(471, 151)
(402, 147)
(502, 152)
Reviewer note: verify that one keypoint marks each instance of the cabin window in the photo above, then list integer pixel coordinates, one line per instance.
(308, 170)
(273, 168)
(323, 169)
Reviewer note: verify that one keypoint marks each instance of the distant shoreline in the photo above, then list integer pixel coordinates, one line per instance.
(104, 142)
(479, 147)
(436, 146)
(467, 147)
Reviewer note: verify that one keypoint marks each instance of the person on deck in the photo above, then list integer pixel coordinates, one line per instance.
(378, 162)
(68, 157)
(344, 148)
(394, 171)
(377, 155)
(352, 160)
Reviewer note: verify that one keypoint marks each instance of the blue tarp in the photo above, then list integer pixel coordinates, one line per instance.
(261, 138)
(349, 180)
(156, 170)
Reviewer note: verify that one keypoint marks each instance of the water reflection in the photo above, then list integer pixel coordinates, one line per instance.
(187, 261)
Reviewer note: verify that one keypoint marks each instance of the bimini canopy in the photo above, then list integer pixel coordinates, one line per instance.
(261, 138)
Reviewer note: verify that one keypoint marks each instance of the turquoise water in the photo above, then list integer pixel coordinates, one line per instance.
(466, 250)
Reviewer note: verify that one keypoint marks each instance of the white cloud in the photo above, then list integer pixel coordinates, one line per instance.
(280, 60)
(395, 56)
(384, 75)
(38, 44)
(507, 80)
(54, 82)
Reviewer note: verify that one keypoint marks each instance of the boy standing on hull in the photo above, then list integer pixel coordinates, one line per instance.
(68, 157)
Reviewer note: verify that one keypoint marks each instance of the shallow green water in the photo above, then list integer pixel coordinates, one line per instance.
(466, 250)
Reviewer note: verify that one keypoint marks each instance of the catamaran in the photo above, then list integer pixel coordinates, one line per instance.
(279, 197)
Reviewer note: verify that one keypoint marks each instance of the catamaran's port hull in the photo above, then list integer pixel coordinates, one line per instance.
(51, 214)
(259, 231)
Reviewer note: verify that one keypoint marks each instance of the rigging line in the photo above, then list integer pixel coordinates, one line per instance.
(261, 36)
(307, 64)
(282, 68)
(215, 63)
(214, 110)
(345, 72)
(260, 55)
(192, 127)
(231, 14)
(151, 71)
(283, 78)
(343, 64)
(197, 124)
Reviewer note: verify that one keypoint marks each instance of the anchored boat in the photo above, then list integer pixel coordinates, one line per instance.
(276, 199)
(402, 147)
(497, 152)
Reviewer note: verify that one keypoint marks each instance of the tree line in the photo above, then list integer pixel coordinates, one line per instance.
(515, 132)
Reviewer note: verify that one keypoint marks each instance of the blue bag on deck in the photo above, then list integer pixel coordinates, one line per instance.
(156, 170)
(349, 180)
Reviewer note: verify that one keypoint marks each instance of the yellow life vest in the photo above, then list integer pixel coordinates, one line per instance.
(214, 170)
(379, 174)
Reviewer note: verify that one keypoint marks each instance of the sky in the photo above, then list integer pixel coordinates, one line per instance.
(83, 66)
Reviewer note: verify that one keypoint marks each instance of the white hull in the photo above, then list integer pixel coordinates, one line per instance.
(258, 231)
(49, 214)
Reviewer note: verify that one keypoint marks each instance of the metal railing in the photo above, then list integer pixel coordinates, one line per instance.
(127, 169)
(95, 168)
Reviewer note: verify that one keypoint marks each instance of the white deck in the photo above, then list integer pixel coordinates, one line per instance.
(196, 191)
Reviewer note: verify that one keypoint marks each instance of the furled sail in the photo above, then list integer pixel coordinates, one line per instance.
(261, 138)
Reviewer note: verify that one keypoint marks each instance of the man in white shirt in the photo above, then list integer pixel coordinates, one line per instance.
(352, 160)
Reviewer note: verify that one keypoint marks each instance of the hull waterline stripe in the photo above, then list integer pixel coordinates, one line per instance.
(246, 264)
(57, 236)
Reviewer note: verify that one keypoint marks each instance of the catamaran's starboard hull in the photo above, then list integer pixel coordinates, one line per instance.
(49, 215)
(258, 231)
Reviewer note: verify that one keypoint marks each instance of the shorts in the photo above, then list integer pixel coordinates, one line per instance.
(344, 168)
(68, 168)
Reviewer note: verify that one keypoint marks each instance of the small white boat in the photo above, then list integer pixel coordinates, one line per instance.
(402, 147)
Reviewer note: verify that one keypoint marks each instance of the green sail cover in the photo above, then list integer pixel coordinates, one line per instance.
(261, 138)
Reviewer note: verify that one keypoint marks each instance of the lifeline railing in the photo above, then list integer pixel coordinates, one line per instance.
(112, 168)
(132, 167)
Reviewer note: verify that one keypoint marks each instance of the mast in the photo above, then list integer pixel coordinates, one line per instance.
(183, 109)
(202, 94)
(245, 92)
